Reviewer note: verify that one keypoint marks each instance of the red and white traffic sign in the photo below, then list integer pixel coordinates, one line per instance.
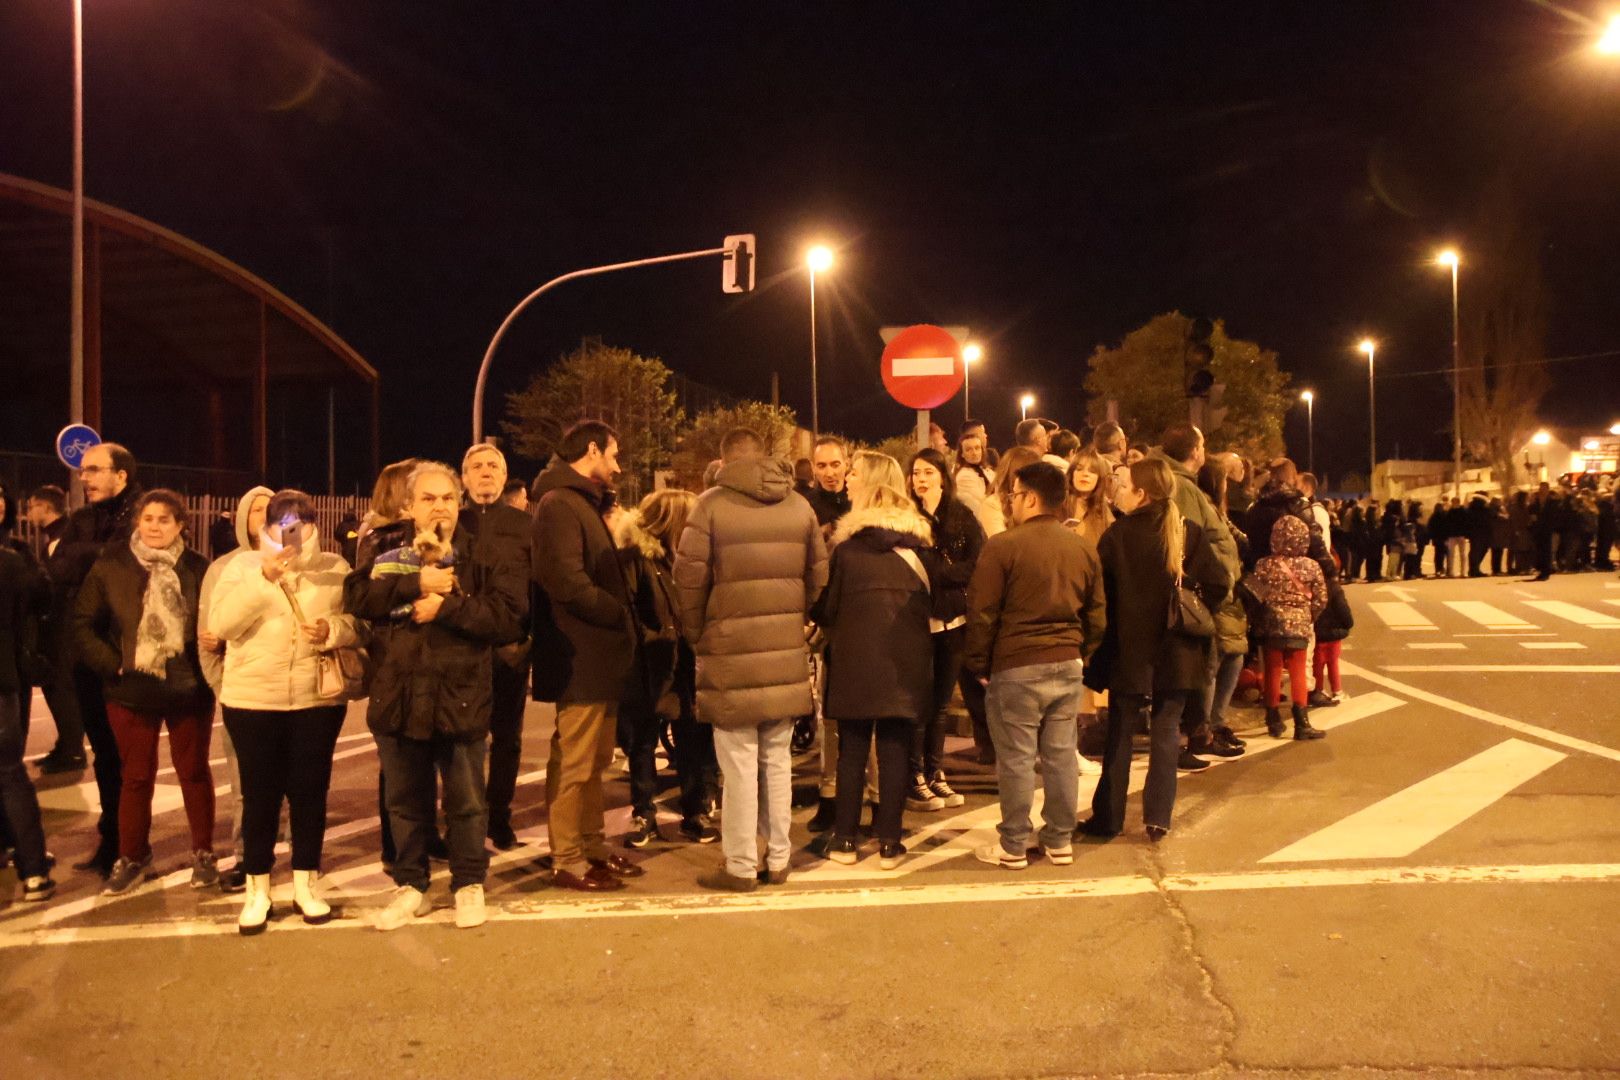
(922, 366)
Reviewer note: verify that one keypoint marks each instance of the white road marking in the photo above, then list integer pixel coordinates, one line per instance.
(1488, 616)
(1551, 645)
(1397, 592)
(1557, 738)
(1395, 827)
(1005, 887)
(1595, 620)
(1435, 645)
(1509, 669)
(1398, 615)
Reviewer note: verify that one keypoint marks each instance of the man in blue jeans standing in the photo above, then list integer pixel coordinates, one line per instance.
(1035, 613)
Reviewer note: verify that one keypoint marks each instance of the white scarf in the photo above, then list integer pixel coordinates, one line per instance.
(161, 634)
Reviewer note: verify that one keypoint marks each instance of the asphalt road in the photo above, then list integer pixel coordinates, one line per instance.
(1432, 888)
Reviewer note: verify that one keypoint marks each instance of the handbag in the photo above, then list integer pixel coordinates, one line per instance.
(1188, 615)
(341, 674)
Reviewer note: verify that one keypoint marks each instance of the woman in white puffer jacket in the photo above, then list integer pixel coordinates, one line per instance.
(276, 609)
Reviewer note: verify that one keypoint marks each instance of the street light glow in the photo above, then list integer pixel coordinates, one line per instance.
(1541, 438)
(1027, 401)
(1609, 43)
(972, 354)
(1307, 397)
(1367, 346)
(1448, 258)
(819, 259)
(1614, 429)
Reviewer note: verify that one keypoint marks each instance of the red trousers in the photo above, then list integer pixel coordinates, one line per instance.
(1275, 660)
(1326, 662)
(137, 733)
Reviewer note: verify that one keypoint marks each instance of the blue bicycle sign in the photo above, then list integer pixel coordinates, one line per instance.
(72, 442)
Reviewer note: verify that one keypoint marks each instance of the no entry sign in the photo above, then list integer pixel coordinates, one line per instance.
(922, 366)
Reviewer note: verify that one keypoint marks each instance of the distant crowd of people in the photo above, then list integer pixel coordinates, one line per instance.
(1075, 591)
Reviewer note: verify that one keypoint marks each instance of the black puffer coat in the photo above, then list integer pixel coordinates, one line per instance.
(435, 678)
(875, 610)
(92, 531)
(1275, 501)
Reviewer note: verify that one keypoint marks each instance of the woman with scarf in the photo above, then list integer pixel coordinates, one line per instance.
(277, 608)
(135, 626)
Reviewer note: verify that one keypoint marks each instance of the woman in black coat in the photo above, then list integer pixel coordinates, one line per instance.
(957, 540)
(1143, 554)
(135, 626)
(880, 659)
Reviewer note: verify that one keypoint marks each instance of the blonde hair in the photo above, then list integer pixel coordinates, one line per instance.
(663, 514)
(1154, 478)
(389, 496)
(883, 485)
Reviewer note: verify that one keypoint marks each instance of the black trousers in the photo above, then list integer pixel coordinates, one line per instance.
(928, 735)
(19, 806)
(973, 699)
(284, 756)
(854, 742)
(1476, 555)
(411, 768)
(108, 766)
(510, 699)
(695, 763)
(638, 729)
(1544, 553)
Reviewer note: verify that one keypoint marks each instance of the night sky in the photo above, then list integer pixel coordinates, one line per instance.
(1051, 175)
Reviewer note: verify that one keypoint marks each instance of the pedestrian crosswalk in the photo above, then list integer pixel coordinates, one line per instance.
(1505, 619)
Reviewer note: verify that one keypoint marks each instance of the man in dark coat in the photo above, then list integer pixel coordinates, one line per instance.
(107, 520)
(828, 497)
(435, 630)
(20, 826)
(501, 534)
(584, 644)
(1280, 496)
(1035, 614)
(748, 567)
(1477, 517)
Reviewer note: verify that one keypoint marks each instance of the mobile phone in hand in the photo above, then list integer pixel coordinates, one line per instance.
(292, 536)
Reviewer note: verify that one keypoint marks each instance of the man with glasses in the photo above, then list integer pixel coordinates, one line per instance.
(1035, 612)
(106, 521)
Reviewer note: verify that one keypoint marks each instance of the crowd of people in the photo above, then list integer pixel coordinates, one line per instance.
(1075, 591)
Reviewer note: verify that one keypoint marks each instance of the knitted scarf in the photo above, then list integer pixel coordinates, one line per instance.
(161, 634)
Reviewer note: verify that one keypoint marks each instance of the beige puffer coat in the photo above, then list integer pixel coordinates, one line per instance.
(748, 567)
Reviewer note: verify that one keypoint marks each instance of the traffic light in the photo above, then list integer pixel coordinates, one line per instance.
(1214, 411)
(1196, 357)
(737, 273)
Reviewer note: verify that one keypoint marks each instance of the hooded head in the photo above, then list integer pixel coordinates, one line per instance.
(1290, 536)
(251, 511)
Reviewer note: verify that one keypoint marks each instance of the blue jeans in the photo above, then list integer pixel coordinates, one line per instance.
(1218, 694)
(1032, 711)
(757, 800)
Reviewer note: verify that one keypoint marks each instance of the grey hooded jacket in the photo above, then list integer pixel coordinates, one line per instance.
(748, 567)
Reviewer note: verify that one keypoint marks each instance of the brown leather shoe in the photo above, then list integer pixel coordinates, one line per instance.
(618, 865)
(595, 879)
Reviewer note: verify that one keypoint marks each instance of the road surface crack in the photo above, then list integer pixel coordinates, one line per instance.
(1229, 1024)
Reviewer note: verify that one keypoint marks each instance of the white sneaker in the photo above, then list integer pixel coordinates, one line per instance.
(1089, 767)
(469, 907)
(407, 904)
(996, 855)
(1059, 856)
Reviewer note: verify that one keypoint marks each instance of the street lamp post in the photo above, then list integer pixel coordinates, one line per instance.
(1310, 430)
(971, 355)
(819, 260)
(76, 293)
(1025, 403)
(1450, 258)
(1369, 346)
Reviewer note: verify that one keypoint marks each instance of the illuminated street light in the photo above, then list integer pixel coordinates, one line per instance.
(1589, 444)
(1025, 403)
(1310, 430)
(972, 353)
(1614, 429)
(1450, 259)
(1609, 45)
(1369, 346)
(818, 260)
(1541, 438)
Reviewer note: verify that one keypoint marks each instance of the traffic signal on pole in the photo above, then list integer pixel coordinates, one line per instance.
(1197, 355)
(1214, 411)
(737, 273)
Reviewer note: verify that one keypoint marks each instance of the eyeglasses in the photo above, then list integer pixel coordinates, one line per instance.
(91, 470)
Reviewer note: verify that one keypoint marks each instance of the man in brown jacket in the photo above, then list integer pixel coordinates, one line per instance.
(1035, 612)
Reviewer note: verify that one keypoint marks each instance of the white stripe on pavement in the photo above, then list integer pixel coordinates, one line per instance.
(1414, 817)
(1595, 620)
(1508, 669)
(1551, 645)
(1435, 645)
(1557, 738)
(1488, 616)
(1007, 887)
(1399, 615)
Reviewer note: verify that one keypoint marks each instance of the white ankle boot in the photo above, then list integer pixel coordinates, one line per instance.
(314, 910)
(255, 905)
